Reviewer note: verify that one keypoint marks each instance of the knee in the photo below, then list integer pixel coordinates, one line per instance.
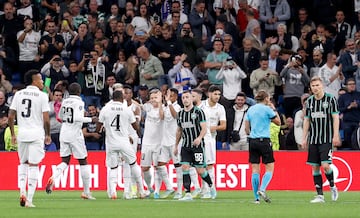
(83, 161)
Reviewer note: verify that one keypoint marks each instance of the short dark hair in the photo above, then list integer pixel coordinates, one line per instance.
(241, 94)
(264, 58)
(214, 88)
(74, 89)
(174, 90)
(28, 78)
(350, 79)
(126, 86)
(117, 95)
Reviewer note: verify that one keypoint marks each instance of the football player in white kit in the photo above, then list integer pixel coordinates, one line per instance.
(31, 109)
(72, 140)
(116, 117)
(216, 121)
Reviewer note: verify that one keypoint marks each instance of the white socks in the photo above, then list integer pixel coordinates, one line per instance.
(126, 176)
(165, 177)
(85, 176)
(179, 179)
(113, 177)
(147, 178)
(22, 177)
(32, 181)
(194, 177)
(59, 169)
(136, 174)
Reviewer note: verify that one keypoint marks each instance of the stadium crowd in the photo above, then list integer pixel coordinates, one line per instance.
(240, 46)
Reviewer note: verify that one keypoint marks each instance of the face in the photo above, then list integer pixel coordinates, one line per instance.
(200, 8)
(110, 81)
(28, 23)
(280, 30)
(247, 45)
(8, 9)
(120, 27)
(187, 99)
(218, 46)
(92, 110)
(351, 86)
(166, 34)
(99, 49)
(316, 87)
(113, 24)
(50, 27)
(317, 56)
(350, 46)
(240, 101)
(94, 55)
(302, 15)
(143, 10)
(2, 98)
(196, 97)
(154, 97)
(340, 16)
(214, 96)
(227, 41)
(83, 29)
(57, 96)
(128, 94)
(175, 7)
(99, 34)
(73, 67)
(93, 6)
(320, 31)
(114, 10)
(173, 96)
(176, 18)
(274, 53)
(264, 65)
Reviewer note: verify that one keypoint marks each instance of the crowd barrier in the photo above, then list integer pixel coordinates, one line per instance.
(232, 171)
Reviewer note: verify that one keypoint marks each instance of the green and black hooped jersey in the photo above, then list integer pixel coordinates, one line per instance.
(320, 114)
(190, 121)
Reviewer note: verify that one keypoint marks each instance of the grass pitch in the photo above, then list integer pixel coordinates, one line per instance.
(228, 204)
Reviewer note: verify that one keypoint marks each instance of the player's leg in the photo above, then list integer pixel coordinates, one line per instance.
(315, 162)
(65, 154)
(113, 161)
(179, 176)
(326, 160)
(164, 157)
(23, 169)
(199, 162)
(134, 145)
(127, 179)
(145, 162)
(36, 154)
(186, 159)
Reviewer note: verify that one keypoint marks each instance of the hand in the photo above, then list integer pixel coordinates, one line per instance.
(224, 145)
(176, 150)
(94, 119)
(167, 96)
(2, 54)
(336, 140)
(183, 57)
(304, 145)
(197, 142)
(47, 140)
(147, 76)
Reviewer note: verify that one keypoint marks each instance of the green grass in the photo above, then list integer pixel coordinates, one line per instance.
(228, 204)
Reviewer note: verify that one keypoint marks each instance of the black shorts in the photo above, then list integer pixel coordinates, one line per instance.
(260, 147)
(193, 156)
(319, 153)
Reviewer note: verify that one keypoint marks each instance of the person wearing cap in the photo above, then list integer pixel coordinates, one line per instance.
(55, 70)
(296, 79)
(260, 116)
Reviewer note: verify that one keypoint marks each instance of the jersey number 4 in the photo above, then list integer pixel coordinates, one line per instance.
(116, 122)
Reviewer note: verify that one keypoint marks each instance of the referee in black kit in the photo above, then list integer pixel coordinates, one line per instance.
(192, 129)
(257, 126)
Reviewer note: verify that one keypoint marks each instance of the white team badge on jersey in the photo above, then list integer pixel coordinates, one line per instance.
(325, 104)
(193, 116)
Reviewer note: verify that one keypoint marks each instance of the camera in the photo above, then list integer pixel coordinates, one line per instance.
(88, 56)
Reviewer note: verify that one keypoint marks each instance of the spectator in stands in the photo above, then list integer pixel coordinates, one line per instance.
(5, 85)
(55, 121)
(56, 70)
(176, 7)
(242, 15)
(255, 37)
(150, 67)
(106, 93)
(349, 106)
(104, 57)
(283, 38)
(295, 79)
(318, 40)
(229, 46)
(130, 73)
(141, 22)
(190, 44)
(175, 23)
(143, 94)
(94, 72)
(28, 41)
(118, 41)
(30, 10)
(316, 63)
(247, 58)
(343, 28)
(300, 21)
(275, 62)
(214, 61)
(7, 59)
(303, 42)
(272, 13)
(67, 32)
(299, 120)
(350, 59)
(3, 126)
(81, 43)
(77, 17)
(356, 26)
(331, 75)
(52, 43)
(232, 75)
(93, 139)
(201, 21)
(264, 78)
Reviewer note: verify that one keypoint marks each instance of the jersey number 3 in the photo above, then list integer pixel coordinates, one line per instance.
(27, 108)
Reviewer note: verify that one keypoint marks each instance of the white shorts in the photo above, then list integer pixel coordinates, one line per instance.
(76, 148)
(165, 154)
(210, 150)
(115, 154)
(31, 152)
(135, 143)
(149, 155)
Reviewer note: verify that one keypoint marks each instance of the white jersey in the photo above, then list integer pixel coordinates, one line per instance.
(170, 126)
(72, 116)
(153, 126)
(116, 119)
(213, 115)
(28, 49)
(133, 108)
(30, 104)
